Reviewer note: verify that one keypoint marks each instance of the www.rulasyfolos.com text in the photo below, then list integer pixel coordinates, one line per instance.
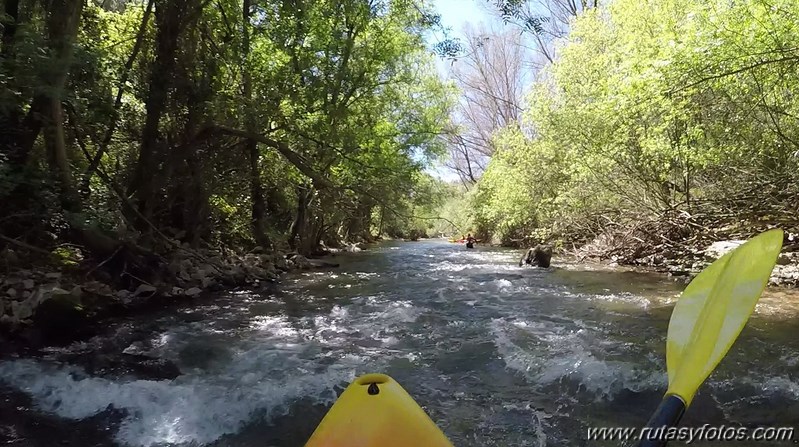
(691, 434)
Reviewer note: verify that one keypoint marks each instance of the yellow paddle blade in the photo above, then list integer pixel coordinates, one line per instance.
(713, 310)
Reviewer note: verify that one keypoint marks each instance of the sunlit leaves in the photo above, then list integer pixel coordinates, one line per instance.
(651, 106)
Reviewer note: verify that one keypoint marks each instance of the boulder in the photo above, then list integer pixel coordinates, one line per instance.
(280, 263)
(26, 308)
(60, 314)
(540, 255)
(194, 291)
(145, 289)
(301, 262)
(787, 259)
(355, 248)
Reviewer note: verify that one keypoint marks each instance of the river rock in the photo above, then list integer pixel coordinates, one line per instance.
(60, 315)
(354, 248)
(280, 263)
(720, 248)
(97, 288)
(193, 291)
(144, 289)
(25, 308)
(788, 258)
(301, 262)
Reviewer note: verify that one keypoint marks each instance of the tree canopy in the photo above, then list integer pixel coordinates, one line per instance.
(241, 123)
(677, 109)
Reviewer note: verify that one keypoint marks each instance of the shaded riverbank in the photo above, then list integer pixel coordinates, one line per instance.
(498, 355)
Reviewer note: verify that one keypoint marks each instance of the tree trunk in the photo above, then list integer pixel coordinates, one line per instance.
(304, 194)
(62, 24)
(57, 156)
(257, 196)
(382, 219)
(251, 146)
(169, 22)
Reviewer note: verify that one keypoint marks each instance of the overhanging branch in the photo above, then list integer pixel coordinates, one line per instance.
(319, 180)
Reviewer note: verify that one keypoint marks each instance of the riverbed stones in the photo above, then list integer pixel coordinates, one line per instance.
(280, 263)
(354, 248)
(302, 262)
(97, 288)
(144, 290)
(720, 248)
(187, 274)
(194, 291)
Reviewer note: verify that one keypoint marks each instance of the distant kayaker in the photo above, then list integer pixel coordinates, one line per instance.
(469, 241)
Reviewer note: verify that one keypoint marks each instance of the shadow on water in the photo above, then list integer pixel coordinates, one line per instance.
(496, 354)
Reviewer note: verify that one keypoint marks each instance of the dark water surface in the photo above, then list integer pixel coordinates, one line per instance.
(497, 355)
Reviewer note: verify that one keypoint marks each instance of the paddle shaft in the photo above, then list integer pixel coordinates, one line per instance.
(668, 414)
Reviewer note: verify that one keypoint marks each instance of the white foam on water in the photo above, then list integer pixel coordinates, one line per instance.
(189, 409)
(776, 385)
(790, 359)
(277, 326)
(279, 360)
(547, 354)
(620, 299)
(400, 312)
(501, 285)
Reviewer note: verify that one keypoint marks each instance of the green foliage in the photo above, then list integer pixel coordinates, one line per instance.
(344, 91)
(679, 104)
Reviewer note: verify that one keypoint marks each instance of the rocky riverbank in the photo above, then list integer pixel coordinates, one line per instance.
(50, 304)
(687, 260)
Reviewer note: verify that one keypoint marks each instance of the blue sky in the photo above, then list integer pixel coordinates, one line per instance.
(456, 14)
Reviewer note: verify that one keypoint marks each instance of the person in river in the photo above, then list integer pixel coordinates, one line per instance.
(470, 241)
(540, 255)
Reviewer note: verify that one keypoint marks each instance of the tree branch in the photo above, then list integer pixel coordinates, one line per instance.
(319, 180)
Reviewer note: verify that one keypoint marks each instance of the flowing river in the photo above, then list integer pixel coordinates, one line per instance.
(496, 354)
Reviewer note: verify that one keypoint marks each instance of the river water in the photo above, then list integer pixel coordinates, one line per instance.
(496, 354)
